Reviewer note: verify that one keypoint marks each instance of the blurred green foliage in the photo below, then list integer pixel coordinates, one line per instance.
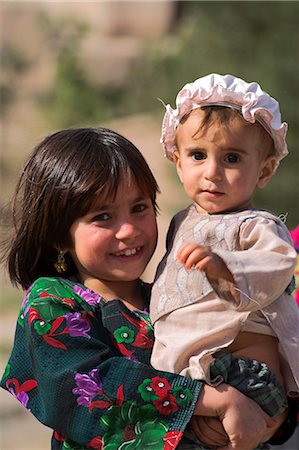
(257, 41)
(74, 99)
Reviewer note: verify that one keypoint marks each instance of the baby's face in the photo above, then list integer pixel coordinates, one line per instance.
(221, 166)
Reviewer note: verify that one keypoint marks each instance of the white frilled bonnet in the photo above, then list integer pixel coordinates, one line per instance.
(226, 90)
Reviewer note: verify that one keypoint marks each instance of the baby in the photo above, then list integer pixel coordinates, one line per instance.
(221, 305)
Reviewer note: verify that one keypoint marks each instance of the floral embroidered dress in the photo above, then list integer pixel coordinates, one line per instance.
(81, 365)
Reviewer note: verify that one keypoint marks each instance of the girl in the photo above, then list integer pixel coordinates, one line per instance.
(85, 229)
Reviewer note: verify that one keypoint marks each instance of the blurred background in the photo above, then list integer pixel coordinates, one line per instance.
(106, 63)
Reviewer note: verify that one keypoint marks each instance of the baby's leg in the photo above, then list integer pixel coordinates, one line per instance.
(256, 381)
(253, 379)
(279, 421)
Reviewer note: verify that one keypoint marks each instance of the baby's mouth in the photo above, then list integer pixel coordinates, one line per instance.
(210, 192)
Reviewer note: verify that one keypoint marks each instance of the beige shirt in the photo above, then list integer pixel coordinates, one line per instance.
(193, 319)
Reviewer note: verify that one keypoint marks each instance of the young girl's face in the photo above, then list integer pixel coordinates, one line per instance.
(221, 166)
(115, 240)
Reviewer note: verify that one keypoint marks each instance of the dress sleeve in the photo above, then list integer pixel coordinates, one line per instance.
(67, 371)
(264, 263)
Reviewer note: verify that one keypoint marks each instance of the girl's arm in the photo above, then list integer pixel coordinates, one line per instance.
(210, 431)
(244, 422)
(68, 371)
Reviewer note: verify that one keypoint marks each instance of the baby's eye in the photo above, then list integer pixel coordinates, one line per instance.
(232, 158)
(197, 156)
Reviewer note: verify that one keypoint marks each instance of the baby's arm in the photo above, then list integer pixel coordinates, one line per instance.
(262, 263)
(265, 254)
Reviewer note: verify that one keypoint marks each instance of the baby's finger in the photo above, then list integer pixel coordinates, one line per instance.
(203, 264)
(195, 256)
(185, 250)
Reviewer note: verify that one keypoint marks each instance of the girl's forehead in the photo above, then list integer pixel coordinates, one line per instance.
(124, 188)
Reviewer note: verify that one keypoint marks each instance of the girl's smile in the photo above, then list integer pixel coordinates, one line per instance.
(129, 252)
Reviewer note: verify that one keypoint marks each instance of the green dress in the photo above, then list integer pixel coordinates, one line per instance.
(81, 365)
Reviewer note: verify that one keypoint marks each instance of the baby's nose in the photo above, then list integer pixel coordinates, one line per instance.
(213, 169)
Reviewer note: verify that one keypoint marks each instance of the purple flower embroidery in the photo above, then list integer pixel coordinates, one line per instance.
(131, 358)
(25, 299)
(76, 325)
(25, 306)
(21, 396)
(88, 386)
(88, 295)
(19, 390)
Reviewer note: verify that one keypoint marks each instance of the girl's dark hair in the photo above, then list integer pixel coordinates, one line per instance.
(59, 184)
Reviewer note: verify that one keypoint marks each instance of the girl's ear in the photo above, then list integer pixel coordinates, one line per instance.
(267, 170)
(177, 161)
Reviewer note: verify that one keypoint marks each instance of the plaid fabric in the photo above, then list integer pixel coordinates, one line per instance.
(253, 379)
(188, 445)
(189, 442)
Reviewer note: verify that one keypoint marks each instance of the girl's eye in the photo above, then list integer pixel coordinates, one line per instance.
(139, 208)
(101, 217)
(197, 156)
(232, 158)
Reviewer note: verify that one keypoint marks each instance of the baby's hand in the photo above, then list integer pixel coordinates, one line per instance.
(202, 258)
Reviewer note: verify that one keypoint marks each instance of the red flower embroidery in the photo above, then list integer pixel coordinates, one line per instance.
(160, 386)
(68, 301)
(129, 432)
(33, 315)
(58, 436)
(96, 442)
(171, 439)
(142, 339)
(166, 405)
(19, 391)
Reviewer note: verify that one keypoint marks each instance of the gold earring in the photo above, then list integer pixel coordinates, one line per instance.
(60, 265)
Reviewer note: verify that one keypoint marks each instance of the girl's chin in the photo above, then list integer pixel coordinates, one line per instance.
(134, 274)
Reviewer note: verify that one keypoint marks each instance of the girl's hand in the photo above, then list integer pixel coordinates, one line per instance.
(244, 422)
(209, 431)
(202, 258)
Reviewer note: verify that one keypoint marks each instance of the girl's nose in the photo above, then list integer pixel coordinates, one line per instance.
(127, 230)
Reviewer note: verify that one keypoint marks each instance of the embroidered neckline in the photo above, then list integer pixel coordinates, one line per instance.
(145, 287)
